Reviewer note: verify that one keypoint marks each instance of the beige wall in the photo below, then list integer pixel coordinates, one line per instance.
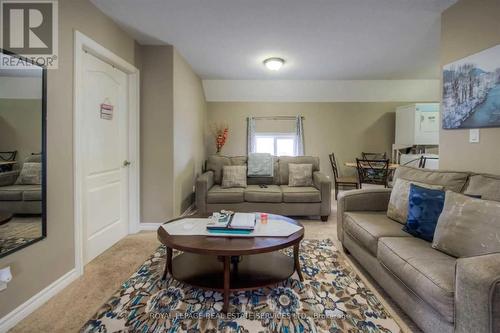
(346, 129)
(189, 123)
(156, 64)
(468, 27)
(38, 265)
(21, 126)
(173, 117)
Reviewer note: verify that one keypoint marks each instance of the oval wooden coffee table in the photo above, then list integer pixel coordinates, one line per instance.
(229, 264)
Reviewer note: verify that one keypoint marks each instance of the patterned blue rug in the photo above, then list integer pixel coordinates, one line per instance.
(331, 299)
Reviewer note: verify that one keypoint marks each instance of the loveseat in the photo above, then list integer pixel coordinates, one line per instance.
(440, 292)
(276, 198)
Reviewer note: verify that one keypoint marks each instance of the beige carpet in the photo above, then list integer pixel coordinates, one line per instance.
(72, 307)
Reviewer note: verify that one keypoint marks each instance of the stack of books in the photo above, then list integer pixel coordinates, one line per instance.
(231, 223)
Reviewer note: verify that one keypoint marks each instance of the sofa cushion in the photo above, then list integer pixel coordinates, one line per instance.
(10, 193)
(234, 176)
(399, 202)
(300, 175)
(271, 193)
(15, 192)
(453, 181)
(430, 274)
(31, 174)
(300, 194)
(467, 226)
(486, 186)
(218, 194)
(35, 195)
(425, 206)
(285, 160)
(368, 227)
(216, 163)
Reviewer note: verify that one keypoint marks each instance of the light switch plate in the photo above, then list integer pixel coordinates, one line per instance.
(474, 135)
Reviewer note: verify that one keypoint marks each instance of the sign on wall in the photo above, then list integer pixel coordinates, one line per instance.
(106, 111)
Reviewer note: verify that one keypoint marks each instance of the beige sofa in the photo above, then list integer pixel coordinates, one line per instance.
(20, 199)
(439, 292)
(277, 198)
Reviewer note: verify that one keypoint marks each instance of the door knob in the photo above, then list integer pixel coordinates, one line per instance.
(126, 163)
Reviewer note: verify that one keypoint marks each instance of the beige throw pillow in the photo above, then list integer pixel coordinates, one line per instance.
(234, 176)
(300, 175)
(398, 204)
(31, 174)
(467, 226)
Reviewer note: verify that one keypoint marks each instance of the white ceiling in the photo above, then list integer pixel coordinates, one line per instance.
(319, 39)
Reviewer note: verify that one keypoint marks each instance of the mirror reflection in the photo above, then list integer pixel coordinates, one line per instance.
(21, 167)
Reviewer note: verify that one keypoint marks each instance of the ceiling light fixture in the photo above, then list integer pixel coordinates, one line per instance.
(274, 64)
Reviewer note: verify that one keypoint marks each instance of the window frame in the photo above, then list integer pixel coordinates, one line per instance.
(275, 137)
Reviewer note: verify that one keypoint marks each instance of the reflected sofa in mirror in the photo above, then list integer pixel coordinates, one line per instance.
(22, 153)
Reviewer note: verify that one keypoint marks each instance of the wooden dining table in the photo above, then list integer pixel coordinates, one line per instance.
(392, 166)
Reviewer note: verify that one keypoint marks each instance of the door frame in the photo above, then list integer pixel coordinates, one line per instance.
(84, 44)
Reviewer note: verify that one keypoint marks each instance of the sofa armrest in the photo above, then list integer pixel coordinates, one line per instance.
(203, 183)
(8, 178)
(324, 185)
(360, 200)
(477, 294)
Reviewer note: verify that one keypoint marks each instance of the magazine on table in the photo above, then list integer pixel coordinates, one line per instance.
(229, 221)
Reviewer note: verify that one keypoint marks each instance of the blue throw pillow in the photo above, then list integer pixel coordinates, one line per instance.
(425, 206)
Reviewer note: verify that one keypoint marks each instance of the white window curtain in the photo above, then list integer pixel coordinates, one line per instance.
(250, 135)
(299, 140)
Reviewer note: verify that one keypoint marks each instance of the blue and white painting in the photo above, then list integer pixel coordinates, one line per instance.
(471, 91)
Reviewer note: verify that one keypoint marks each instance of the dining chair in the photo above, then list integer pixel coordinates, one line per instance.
(7, 156)
(373, 171)
(423, 161)
(374, 156)
(341, 181)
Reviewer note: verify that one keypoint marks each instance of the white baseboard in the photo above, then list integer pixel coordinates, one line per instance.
(153, 226)
(149, 226)
(23, 310)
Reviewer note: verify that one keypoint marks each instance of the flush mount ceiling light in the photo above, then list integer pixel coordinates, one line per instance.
(274, 64)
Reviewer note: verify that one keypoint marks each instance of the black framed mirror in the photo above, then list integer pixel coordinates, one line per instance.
(23, 185)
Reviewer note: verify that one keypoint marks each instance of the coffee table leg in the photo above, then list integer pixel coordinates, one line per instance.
(168, 264)
(296, 259)
(227, 268)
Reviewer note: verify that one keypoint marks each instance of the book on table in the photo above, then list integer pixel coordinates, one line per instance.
(236, 223)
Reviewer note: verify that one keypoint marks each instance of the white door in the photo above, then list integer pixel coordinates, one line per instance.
(105, 152)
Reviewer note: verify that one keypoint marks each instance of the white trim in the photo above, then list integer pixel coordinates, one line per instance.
(322, 90)
(85, 44)
(146, 226)
(22, 311)
(150, 226)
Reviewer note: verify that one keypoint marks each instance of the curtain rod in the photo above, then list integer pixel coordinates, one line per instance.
(277, 118)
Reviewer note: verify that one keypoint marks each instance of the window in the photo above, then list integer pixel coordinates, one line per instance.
(277, 144)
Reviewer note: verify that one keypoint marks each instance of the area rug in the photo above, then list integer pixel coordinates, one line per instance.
(11, 243)
(332, 298)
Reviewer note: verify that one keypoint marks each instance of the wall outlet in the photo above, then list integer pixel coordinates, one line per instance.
(5, 277)
(474, 136)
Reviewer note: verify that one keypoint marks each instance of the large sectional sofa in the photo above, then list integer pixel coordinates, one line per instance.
(276, 198)
(439, 292)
